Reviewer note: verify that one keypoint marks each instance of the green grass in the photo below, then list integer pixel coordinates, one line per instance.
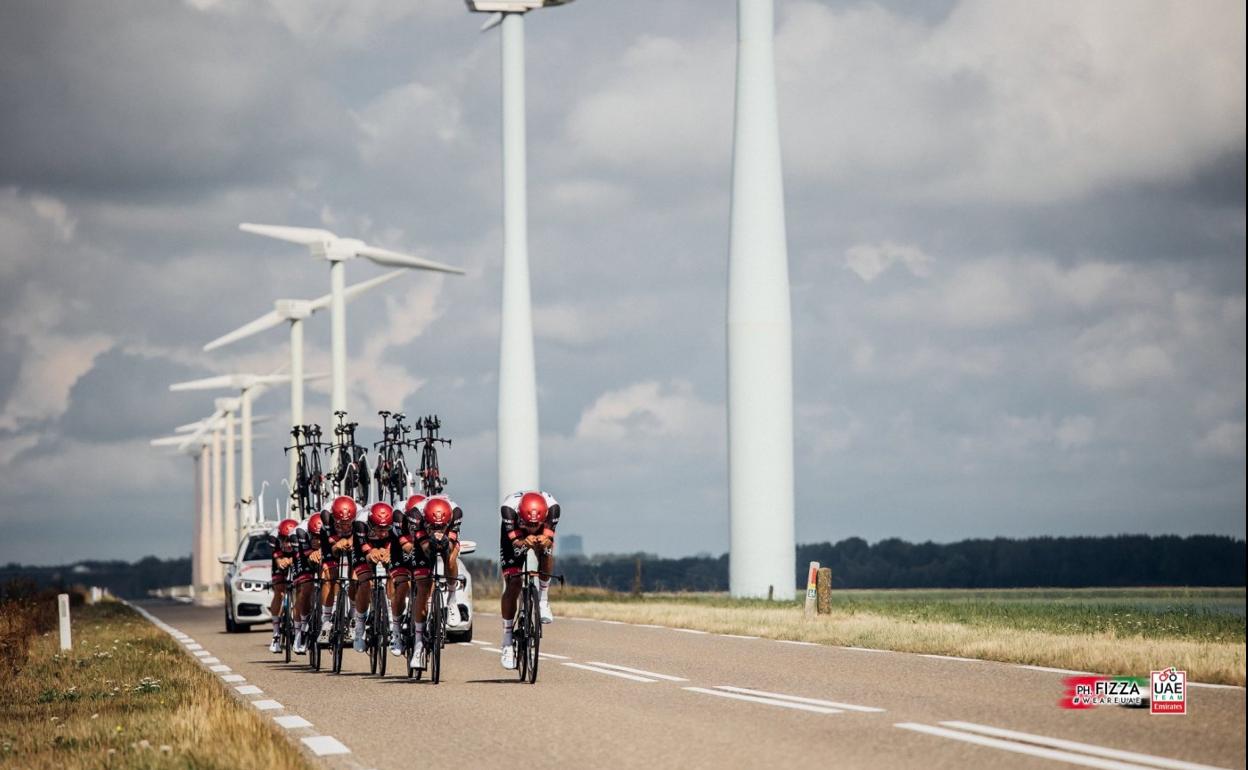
(1195, 614)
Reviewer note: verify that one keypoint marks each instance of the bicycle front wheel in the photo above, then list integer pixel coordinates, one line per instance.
(533, 631)
(437, 621)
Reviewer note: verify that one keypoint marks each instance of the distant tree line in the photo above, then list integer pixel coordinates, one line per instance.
(1063, 562)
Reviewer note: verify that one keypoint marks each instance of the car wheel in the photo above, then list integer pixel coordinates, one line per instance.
(230, 626)
(459, 636)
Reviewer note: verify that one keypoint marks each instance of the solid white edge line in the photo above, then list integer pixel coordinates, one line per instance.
(800, 699)
(768, 701)
(1086, 748)
(949, 657)
(1019, 748)
(638, 671)
(648, 625)
(1216, 686)
(862, 649)
(1050, 670)
(609, 672)
(491, 649)
(325, 745)
(795, 641)
(690, 631)
(739, 636)
(615, 622)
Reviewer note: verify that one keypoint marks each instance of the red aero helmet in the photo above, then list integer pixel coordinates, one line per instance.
(343, 509)
(381, 515)
(314, 524)
(438, 512)
(413, 501)
(532, 508)
(287, 527)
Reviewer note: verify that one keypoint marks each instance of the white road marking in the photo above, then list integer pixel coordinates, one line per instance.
(739, 636)
(614, 622)
(638, 671)
(863, 649)
(202, 654)
(800, 699)
(248, 689)
(194, 646)
(1019, 748)
(465, 644)
(1086, 748)
(768, 701)
(490, 649)
(267, 705)
(209, 661)
(552, 655)
(949, 657)
(609, 672)
(1217, 686)
(689, 631)
(291, 721)
(325, 745)
(220, 668)
(478, 641)
(794, 641)
(1049, 670)
(233, 678)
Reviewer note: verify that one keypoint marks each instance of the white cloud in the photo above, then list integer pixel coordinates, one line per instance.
(57, 213)
(1225, 438)
(650, 410)
(51, 366)
(869, 260)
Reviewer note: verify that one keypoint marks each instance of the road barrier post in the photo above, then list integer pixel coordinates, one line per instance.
(824, 590)
(810, 588)
(62, 607)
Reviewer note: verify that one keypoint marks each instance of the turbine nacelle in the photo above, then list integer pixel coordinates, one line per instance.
(294, 309)
(511, 6)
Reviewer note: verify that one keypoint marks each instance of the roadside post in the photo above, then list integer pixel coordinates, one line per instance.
(824, 590)
(62, 606)
(811, 592)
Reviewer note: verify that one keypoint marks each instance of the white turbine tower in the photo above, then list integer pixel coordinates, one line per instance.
(294, 311)
(195, 450)
(325, 245)
(760, 348)
(518, 457)
(249, 386)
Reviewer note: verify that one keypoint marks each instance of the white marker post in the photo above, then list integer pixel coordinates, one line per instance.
(812, 578)
(62, 606)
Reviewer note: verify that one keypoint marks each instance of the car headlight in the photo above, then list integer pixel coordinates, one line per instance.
(252, 585)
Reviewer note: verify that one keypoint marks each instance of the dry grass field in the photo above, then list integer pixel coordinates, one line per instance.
(125, 696)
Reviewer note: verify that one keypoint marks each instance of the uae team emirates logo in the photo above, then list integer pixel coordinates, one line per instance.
(1169, 692)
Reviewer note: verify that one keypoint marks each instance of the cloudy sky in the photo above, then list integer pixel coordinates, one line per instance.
(1016, 240)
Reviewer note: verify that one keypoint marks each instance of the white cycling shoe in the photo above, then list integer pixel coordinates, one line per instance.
(453, 618)
(276, 644)
(396, 647)
(509, 658)
(543, 611)
(300, 646)
(418, 655)
(323, 637)
(358, 642)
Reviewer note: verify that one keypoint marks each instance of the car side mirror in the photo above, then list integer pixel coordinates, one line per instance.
(225, 558)
(466, 547)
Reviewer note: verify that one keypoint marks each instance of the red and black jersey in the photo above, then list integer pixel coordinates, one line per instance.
(511, 519)
(330, 536)
(363, 535)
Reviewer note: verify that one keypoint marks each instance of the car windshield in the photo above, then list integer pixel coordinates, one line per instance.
(258, 549)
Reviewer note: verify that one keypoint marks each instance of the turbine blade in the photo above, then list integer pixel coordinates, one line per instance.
(354, 291)
(208, 383)
(304, 236)
(396, 259)
(493, 21)
(266, 321)
(269, 379)
(168, 441)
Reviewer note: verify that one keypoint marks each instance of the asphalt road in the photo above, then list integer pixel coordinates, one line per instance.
(674, 706)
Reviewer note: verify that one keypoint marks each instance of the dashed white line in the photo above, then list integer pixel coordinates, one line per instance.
(209, 661)
(291, 721)
(490, 649)
(801, 699)
(478, 641)
(194, 646)
(1085, 748)
(267, 705)
(233, 678)
(202, 654)
(325, 745)
(1018, 748)
(465, 644)
(248, 689)
(609, 672)
(554, 656)
(220, 668)
(767, 701)
(638, 671)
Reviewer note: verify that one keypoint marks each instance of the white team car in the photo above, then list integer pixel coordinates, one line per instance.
(249, 587)
(248, 581)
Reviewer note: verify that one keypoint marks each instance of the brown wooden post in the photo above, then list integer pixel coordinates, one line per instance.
(823, 588)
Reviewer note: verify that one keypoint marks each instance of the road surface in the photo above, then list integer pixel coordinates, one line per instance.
(620, 695)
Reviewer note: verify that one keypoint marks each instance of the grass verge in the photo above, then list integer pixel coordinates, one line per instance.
(126, 696)
(1113, 631)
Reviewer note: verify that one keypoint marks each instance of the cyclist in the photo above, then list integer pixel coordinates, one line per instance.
(372, 547)
(438, 533)
(337, 528)
(308, 555)
(405, 560)
(282, 542)
(529, 519)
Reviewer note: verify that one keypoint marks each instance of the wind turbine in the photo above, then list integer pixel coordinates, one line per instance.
(294, 311)
(325, 245)
(518, 466)
(760, 337)
(200, 512)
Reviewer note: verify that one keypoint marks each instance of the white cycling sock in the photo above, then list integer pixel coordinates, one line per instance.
(418, 628)
(394, 628)
(303, 625)
(507, 626)
(543, 587)
(327, 614)
(277, 626)
(359, 619)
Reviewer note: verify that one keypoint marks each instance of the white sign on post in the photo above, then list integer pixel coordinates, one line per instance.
(62, 606)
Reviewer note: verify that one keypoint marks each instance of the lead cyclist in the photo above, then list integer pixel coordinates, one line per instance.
(529, 519)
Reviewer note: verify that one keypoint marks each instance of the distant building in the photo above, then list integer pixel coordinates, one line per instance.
(572, 545)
